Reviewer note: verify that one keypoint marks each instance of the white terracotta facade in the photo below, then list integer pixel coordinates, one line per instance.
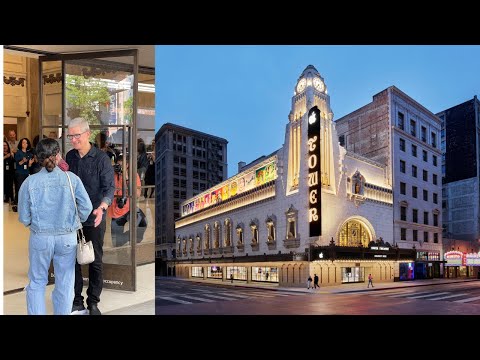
(354, 190)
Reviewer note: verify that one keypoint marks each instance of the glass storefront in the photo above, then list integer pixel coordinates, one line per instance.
(265, 273)
(215, 272)
(197, 271)
(353, 274)
(407, 271)
(238, 272)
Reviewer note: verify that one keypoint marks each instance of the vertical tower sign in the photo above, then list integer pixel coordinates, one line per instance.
(314, 183)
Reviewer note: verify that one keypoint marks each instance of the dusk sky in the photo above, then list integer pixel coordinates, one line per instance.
(244, 93)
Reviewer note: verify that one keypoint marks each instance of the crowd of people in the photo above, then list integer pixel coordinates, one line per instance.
(92, 175)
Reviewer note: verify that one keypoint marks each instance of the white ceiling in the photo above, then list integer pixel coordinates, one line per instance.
(146, 53)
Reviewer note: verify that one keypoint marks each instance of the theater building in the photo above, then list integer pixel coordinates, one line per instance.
(310, 207)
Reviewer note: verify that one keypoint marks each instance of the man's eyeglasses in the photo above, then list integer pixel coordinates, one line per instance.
(75, 136)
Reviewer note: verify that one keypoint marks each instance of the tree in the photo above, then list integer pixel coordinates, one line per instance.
(85, 96)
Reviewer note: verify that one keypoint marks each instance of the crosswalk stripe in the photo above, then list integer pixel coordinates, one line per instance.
(447, 297)
(169, 298)
(197, 298)
(427, 295)
(410, 292)
(235, 295)
(257, 294)
(391, 293)
(218, 297)
(468, 299)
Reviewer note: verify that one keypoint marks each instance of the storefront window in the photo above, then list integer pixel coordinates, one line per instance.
(239, 272)
(265, 273)
(197, 271)
(353, 274)
(407, 271)
(215, 272)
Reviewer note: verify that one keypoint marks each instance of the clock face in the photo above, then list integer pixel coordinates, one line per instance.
(301, 85)
(319, 85)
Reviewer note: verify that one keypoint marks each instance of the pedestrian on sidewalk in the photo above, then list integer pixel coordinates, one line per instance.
(370, 280)
(309, 282)
(315, 282)
(231, 278)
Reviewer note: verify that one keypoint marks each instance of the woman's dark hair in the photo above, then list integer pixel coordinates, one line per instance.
(29, 145)
(6, 142)
(47, 150)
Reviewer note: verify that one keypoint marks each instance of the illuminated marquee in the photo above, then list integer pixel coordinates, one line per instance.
(454, 258)
(230, 188)
(314, 186)
(473, 259)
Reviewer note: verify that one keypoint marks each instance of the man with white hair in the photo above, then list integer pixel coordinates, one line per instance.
(94, 168)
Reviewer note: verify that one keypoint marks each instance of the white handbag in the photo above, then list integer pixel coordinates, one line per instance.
(85, 253)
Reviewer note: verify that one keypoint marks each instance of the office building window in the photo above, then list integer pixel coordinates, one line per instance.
(415, 235)
(415, 215)
(414, 171)
(403, 187)
(425, 236)
(435, 198)
(402, 144)
(414, 150)
(434, 160)
(403, 213)
(425, 217)
(434, 178)
(401, 121)
(402, 166)
(424, 134)
(425, 195)
(425, 175)
(413, 128)
(425, 155)
(414, 191)
(403, 234)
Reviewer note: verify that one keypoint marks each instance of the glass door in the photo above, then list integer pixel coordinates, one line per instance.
(102, 88)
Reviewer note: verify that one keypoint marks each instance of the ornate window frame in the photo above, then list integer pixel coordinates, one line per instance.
(292, 217)
(271, 222)
(240, 234)
(228, 232)
(254, 228)
(216, 234)
(207, 237)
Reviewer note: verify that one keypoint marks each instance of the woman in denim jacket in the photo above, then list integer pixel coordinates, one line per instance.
(46, 205)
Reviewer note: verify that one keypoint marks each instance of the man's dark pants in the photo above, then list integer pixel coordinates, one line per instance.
(95, 269)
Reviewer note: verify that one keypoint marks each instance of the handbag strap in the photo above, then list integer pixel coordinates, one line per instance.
(75, 203)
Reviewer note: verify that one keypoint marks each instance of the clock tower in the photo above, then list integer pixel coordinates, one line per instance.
(310, 90)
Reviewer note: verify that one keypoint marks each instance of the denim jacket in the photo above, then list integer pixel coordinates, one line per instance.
(45, 202)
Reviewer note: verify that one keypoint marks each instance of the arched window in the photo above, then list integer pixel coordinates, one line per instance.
(358, 182)
(354, 233)
(271, 222)
(216, 235)
(292, 219)
(207, 236)
(184, 245)
(179, 245)
(228, 232)
(239, 229)
(254, 228)
(199, 242)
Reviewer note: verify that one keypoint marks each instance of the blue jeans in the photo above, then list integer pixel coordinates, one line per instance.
(42, 249)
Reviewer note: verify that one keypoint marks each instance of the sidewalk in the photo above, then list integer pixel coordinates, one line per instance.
(113, 302)
(332, 289)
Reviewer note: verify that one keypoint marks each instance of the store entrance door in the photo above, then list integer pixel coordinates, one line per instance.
(102, 88)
